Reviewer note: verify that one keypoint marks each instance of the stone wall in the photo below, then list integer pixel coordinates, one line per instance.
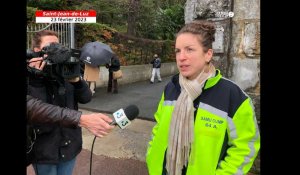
(136, 73)
(245, 49)
(237, 44)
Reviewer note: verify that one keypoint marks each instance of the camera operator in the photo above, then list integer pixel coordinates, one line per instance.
(41, 112)
(56, 147)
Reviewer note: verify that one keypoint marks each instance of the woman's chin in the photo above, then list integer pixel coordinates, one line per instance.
(185, 74)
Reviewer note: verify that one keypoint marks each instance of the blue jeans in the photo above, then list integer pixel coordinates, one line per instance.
(62, 168)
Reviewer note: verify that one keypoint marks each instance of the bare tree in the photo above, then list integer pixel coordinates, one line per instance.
(133, 7)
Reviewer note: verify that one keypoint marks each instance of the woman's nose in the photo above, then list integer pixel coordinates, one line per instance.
(180, 56)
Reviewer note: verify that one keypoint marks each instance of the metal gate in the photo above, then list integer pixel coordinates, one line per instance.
(65, 32)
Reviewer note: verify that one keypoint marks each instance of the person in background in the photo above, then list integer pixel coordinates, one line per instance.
(206, 124)
(56, 147)
(156, 63)
(91, 75)
(114, 65)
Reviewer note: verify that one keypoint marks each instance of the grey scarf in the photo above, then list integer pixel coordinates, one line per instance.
(181, 131)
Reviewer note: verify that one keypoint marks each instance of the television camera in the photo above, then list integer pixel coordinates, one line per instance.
(61, 62)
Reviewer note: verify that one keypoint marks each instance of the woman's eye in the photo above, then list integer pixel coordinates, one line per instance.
(189, 50)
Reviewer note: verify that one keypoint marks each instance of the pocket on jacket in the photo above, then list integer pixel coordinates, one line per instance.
(43, 129)
(38, 92)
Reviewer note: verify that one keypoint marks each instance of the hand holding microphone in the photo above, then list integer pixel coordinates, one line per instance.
(100, 125)
(122, 117)
(96, 123)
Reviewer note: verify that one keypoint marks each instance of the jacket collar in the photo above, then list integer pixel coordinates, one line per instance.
(208, 84)
(213, 80)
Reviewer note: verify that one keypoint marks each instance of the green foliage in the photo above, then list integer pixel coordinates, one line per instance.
(140, 50)
(31, 13)
(112, 12)
(168, 54)
(171, 20)
(93, 32)
(159, 23)
(146, 22)
(121, 28)
(155, 19)
(49, 4)
(156, 23)
(163, 4)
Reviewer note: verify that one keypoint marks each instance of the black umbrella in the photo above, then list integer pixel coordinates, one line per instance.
(96, 53)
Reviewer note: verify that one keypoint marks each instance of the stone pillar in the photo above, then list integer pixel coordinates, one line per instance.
(245, 49)
(219, 13)
(237, 44)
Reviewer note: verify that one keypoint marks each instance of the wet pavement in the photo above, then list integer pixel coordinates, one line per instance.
(122, 152)
(142, 94)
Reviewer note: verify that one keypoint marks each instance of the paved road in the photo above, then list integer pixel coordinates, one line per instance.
(143, 94)
(122, 152)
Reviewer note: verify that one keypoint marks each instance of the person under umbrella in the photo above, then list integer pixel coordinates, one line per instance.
(91, 75)
(96, 53)
(114, 65)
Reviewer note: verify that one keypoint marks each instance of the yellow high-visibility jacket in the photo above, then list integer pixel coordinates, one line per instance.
(226, 134)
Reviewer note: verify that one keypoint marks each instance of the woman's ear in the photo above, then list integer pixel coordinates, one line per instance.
(208, 55)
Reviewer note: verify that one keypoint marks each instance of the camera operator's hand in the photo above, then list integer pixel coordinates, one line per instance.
(37, 63)
(74, 80)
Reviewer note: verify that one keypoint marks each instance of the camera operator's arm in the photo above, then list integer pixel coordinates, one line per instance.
(37, 63)
(82, 92)
(41, 112)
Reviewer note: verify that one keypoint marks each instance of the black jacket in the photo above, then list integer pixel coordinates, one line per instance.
(114, 64)
(56, 143)
(156, 62)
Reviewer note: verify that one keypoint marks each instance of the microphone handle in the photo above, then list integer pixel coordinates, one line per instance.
(113, 123)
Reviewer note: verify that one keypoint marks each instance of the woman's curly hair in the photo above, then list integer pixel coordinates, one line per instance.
(203, 28)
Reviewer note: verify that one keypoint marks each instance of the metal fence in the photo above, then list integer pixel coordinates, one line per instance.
(65, 32)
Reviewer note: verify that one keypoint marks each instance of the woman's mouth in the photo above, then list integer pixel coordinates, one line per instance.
(183, 67)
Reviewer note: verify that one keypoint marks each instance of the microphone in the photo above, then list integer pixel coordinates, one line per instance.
(123, 117)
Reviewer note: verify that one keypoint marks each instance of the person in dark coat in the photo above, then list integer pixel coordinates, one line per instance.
(56, 147)
(114, 65)
(39, 112)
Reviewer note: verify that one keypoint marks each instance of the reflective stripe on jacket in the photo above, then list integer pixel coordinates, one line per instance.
(226, 135)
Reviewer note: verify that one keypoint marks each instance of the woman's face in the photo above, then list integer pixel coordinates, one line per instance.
(190, 56)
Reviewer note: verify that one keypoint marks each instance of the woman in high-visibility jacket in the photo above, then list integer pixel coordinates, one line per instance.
(206, 124)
